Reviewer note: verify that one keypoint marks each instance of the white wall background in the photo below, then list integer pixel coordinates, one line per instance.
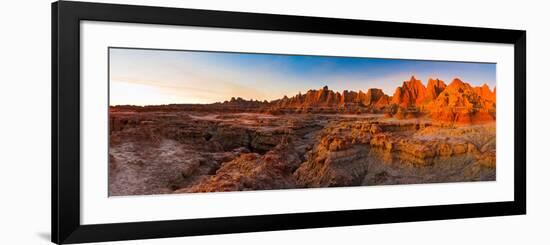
(25, 124)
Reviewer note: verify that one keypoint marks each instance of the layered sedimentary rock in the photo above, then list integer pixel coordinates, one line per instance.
(462, 103)
(327, 101)
(485, 93)
(160, 152)
(233, 105)
(372, 153)
(252, 171)
(166, 152)
(410, 94)
(457, 103)
(434, 89)
(317, 139)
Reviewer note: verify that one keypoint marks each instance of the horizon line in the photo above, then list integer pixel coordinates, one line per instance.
(300, 92)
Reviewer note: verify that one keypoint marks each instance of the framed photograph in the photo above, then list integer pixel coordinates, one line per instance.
(176, 122)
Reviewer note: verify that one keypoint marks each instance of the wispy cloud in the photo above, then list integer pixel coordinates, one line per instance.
(161, 77)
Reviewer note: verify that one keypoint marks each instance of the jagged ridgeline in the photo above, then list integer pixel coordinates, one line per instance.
(457, 102)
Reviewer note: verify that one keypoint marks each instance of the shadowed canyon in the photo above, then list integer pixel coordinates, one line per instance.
(433, 133)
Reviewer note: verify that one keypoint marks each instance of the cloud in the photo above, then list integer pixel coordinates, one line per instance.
(199, 77)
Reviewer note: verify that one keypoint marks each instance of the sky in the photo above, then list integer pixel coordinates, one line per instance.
(154, 77)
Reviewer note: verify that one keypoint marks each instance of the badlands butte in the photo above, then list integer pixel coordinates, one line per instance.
(430, 133)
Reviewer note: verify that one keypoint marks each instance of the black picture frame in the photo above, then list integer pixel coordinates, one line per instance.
(65, 138)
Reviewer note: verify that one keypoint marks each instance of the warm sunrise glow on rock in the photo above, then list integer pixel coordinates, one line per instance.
(187, 122)
(153, 77)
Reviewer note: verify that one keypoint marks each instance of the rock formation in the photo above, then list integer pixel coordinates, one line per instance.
(458, 102)
(175, 151)
(252, 171)
(325, 100)
(434, 88)
(410, 94)
(462, 103)
(372, 153)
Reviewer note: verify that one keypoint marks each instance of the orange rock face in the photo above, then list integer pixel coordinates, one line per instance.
(485, 93)
(237, 146)
(375, 96)
(434, 88)
(326, 100)
(462, 103)
(410, 94)
(458, 102)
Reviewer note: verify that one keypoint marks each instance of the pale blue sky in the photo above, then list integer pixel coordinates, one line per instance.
(143, 76)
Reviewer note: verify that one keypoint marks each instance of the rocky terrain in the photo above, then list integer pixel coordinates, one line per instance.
(420, 134)
(456, 103)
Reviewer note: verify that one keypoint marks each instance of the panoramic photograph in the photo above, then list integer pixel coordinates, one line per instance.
(206, 121)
